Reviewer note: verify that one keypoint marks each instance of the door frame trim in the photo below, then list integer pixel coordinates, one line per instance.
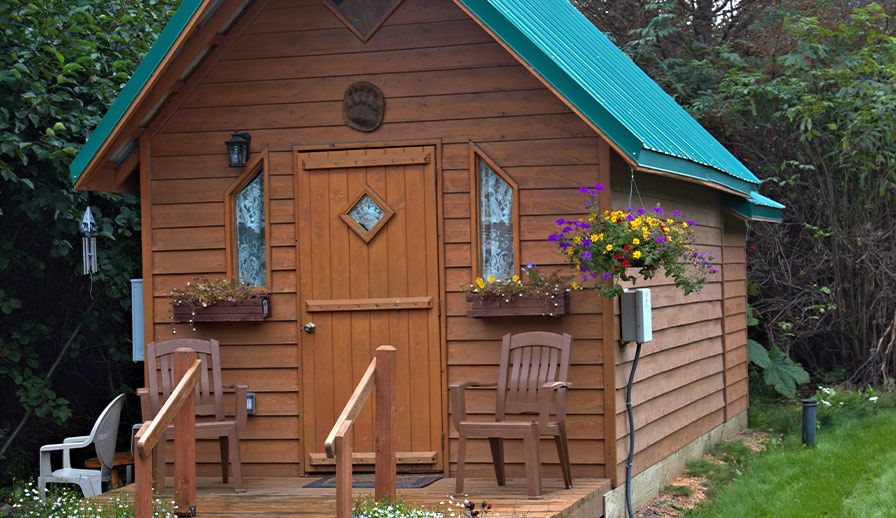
(436, 143)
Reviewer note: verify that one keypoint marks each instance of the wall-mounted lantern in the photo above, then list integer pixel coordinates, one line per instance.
(238, 148)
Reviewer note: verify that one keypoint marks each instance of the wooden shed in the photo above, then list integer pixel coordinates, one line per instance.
(376, 126)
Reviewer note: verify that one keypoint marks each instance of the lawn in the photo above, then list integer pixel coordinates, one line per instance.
(850, 474)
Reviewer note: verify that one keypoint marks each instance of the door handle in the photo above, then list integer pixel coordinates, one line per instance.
(309, 328)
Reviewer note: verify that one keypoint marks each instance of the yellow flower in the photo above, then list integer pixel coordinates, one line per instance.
(594, 238)
(576, 286)
(578, 239)
(516, 278)
(480, 282)
(609, 247)
(491, 278)
(684, 225)
(569, 251)
(636, 254)
(636, 241)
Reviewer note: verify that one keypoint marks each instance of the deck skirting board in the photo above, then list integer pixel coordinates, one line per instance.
(651, 481)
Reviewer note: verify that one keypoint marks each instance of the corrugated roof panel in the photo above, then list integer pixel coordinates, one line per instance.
(583, 53)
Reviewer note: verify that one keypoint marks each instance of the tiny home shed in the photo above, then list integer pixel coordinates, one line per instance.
(398, 149)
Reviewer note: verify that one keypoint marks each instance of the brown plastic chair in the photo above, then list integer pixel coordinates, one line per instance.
(209, 403)
(527, 382)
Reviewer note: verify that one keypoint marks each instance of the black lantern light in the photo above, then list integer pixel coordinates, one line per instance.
(238, 148)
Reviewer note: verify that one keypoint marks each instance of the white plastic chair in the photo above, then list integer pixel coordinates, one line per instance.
(103, 436)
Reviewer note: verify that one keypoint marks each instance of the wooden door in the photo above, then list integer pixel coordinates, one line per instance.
(368, 274)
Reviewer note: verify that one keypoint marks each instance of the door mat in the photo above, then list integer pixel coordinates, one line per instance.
(403, 480)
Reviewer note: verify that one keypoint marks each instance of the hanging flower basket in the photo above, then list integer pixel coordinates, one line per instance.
(520, 305)
(219, 301)
(610, 247)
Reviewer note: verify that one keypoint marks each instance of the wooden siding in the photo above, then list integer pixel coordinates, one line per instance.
(694, 369)
(444, 79)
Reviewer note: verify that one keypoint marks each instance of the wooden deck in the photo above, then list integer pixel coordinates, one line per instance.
(288, 498)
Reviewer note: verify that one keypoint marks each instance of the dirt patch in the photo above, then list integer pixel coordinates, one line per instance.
(688, 491)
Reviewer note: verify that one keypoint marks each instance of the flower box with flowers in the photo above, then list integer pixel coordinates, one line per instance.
(532, 295)
(219, 301)
(607, 245)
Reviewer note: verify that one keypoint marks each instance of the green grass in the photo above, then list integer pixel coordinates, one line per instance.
(850, 474)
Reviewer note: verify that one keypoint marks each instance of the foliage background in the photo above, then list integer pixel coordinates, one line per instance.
(62, 64)
(802, 92)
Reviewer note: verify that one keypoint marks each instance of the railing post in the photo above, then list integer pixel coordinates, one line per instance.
(385, 422)
(344, 471)
(185, 439)
(142, 481)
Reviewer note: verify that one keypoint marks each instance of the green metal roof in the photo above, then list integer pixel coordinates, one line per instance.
(606, 86)
(135, 84)
(756, 207)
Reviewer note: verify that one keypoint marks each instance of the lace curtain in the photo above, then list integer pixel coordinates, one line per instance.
(250, 245)
(495, 224)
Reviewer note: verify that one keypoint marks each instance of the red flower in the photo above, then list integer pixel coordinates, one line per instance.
(615, 267)
(618, 257)
(625, 263)
(626, 248)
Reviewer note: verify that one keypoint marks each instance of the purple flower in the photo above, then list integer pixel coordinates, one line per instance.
(658, 210)
(567, 229)
(676, 213)
(561, 221)
(641, 211)
(661, 239)
(584, 190)
(690, 222)
(630, 217)
(608, 276)
(586, 276)
(586, 256)
(530, 266)
(598, 187)
(554, 237)
(564, 245)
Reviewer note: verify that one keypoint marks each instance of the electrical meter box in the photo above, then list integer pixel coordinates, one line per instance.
(637, 321)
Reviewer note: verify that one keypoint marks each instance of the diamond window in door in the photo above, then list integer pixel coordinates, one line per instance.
(367, 214)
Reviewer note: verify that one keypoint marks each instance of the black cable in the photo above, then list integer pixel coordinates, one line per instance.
(631, 434)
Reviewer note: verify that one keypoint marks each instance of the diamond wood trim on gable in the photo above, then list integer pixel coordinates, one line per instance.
(362, 17)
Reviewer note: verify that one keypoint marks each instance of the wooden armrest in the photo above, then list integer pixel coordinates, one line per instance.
(146, 413)
(556, 385)
(467, 384)
(240, 403)
(458, 399)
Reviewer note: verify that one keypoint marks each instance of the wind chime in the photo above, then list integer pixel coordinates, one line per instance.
(88, 242)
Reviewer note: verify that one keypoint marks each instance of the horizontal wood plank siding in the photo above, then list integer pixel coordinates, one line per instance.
(444, 79)
(691, 371)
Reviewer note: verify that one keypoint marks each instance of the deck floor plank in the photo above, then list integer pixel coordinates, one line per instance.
(288, 498)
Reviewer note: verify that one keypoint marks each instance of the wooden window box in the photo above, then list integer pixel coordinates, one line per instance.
(528, 305)
(244, 310)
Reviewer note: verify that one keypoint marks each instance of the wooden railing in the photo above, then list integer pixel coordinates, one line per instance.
(180, 407)
(380, 374)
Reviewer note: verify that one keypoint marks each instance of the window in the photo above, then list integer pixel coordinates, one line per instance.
(495, 216)
(248, 237)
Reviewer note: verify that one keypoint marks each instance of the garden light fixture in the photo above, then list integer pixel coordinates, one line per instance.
(238, 148)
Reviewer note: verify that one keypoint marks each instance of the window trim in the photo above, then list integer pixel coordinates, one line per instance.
(476, 154)
(260, 161)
